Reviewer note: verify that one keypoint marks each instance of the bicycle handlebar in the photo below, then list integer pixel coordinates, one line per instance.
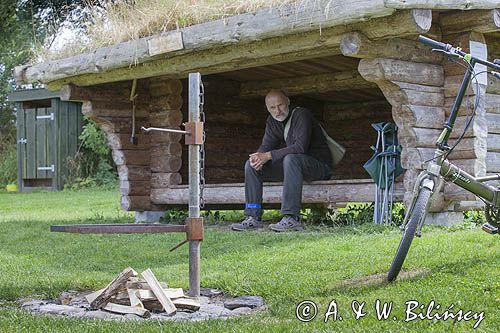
(433, 43)
(449, 49)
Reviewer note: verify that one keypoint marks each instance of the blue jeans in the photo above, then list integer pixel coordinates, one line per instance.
(292, 171)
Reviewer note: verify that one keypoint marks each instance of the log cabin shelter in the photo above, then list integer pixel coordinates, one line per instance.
(352, 63)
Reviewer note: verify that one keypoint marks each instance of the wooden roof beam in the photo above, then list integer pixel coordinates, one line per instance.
(319, 83)
(442, 4)
(483, 21)
(88, 70)
(357, 45)
(265, 23)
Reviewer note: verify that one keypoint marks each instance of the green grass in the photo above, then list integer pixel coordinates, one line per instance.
(459, 266)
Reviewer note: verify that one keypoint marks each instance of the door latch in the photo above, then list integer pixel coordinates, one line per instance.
(47, 168)
(50, 116)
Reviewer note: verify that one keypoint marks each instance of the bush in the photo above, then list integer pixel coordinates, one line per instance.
(92, 165)
(8, 165)
(352, 214)
(475, 216)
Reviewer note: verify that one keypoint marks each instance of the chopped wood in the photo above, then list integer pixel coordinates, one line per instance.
(168, 306)
(187, 303)
(153, 305)
(134, 298)
(124, 309)
(142, 284)
(112, 289)
(91, 297)
(148, 295)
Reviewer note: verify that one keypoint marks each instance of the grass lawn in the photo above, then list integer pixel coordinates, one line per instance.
(458, 266)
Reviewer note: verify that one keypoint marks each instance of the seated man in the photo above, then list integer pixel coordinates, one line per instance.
(304, 155)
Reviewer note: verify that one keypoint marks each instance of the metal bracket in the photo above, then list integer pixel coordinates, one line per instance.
(194, 231)
(194, 228)
(194, 131)
(51, 117)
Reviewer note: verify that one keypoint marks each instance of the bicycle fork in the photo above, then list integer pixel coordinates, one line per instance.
(427, 178)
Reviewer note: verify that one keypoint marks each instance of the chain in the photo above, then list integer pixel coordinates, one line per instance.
(202, 146)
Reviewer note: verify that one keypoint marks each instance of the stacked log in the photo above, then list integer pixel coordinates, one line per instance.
(414, 90)
(350, 125)
(166, 150)
(492, 114)
(110, 106)
(234, 127)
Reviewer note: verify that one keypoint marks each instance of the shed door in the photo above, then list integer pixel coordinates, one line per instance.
(36, 128)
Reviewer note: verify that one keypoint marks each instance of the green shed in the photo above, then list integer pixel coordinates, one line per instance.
(47, 133)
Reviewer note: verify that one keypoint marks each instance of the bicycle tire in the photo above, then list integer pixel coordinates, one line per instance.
(492, 215)
(404, 245)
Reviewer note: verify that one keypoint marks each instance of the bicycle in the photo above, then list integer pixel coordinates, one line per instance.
(439, 169)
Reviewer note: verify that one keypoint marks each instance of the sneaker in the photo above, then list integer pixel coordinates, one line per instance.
(249, 223)
(287, 223)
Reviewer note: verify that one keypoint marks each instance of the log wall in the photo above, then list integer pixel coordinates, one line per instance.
(155, 160)
(470, 154)
(492, 110)
(350, 125)
(235, 126)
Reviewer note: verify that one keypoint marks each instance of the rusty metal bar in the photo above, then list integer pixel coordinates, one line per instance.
(118, 228)
(194, 185)
(169, 130)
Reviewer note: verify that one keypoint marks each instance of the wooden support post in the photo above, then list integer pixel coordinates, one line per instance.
(194, 185)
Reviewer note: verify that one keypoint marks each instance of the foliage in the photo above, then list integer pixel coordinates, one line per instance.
(475, 216)
(92, 165)
(352, 214)
(325, 264)
(175, 216)
(23, 24)
(8, 166)
(94, 139)
(8, 154)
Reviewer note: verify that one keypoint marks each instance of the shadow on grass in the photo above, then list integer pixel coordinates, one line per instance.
(360, 286)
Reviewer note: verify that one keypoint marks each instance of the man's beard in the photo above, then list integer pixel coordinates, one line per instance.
(282, 118)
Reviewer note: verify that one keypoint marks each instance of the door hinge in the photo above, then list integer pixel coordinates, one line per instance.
(22, 140)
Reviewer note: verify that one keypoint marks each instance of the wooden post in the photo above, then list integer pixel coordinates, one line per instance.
(194, 185)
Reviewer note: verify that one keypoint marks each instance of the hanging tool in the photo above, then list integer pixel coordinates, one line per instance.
(133, 95)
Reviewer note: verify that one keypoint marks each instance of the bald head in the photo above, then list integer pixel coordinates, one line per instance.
(277, 104)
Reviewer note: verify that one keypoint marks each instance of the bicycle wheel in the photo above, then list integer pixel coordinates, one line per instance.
(492, 215)
(418, 212)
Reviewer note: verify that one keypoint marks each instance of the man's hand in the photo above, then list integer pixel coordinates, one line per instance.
(257, 160)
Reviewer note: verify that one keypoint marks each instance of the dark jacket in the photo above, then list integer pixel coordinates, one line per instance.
(304, 137)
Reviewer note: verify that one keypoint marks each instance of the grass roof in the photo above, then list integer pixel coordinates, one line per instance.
(129, 20)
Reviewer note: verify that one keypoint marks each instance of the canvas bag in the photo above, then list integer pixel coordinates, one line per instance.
(336, 150)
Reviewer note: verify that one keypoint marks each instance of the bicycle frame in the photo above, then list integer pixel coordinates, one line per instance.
(440, 166)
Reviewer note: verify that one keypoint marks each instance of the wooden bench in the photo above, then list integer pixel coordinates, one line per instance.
(333, 193)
